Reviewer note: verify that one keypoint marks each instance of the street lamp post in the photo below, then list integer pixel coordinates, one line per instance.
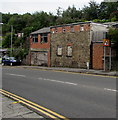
(11, 38)
(1, 34)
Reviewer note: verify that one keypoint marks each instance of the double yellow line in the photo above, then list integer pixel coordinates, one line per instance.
(35, 106)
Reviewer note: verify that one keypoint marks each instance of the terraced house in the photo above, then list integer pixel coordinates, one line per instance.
(78, 45)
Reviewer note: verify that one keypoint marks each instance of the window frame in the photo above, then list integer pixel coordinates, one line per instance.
(42, 38)
(81, 28)
(59, 50)
(69, 52)
(35, 38)
(72, 28)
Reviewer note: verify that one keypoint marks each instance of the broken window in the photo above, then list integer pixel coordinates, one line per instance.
(64, 30)
(69, 51)
(44, 37)
(35, 38)
(81, 28)
(59, 50)
(72, 28)
(56, 30)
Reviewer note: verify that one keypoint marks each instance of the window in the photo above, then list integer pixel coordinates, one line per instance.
(69, 51)
(44, 37)
(56, 30)
(59, 50)
(71, 28)
(35, 38)
(64, 30)
(81, 28)
(105, 35)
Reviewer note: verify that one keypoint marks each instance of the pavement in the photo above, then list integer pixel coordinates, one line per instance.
(76, 70)
(12, 109)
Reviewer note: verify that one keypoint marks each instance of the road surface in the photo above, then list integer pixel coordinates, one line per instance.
(70, 94)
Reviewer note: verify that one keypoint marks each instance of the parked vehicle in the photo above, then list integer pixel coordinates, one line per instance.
(10, 61)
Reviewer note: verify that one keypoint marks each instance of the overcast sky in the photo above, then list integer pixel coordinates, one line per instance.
(31, 6)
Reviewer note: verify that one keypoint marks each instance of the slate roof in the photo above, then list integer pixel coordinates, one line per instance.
(43, 30)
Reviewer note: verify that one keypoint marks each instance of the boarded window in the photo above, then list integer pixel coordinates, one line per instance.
(69, 51)
(59, 50)
(35, 38)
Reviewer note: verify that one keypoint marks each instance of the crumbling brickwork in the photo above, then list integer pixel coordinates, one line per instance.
(40, 52)
(80, 45)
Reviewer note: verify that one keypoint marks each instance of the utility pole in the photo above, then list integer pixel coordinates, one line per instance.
(104, 58)
(1, 34)
(106, 43)
(11, 38)
(110, 59)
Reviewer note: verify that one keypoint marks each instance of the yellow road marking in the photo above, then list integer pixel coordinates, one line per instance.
(73, 72)
(34, 105)
(62, 71)
(16, 102)
(30, 106)
(87, 74)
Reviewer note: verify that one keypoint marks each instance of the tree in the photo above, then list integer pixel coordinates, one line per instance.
(6, 40)
(72, 14)
(113, 36)
(91, 12)
(108, 10)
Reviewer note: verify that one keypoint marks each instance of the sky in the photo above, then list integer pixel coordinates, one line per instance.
(31, 6)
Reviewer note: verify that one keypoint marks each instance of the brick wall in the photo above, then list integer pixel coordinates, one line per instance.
(97, 57)
(68, 28)
(40, 47)
(39, 44)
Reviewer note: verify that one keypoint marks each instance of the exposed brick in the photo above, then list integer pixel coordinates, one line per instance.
(98, 54)
(39, 47)
(80, 49)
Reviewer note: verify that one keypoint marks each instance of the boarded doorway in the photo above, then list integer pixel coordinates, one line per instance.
(39, 58)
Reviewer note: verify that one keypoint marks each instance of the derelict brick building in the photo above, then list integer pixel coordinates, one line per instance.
(70, 45)
(78, 45)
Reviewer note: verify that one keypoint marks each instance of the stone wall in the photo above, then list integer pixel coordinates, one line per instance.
(80, 43)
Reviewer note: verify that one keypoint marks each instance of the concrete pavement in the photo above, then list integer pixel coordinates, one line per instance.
(76, 70)
(12, 109)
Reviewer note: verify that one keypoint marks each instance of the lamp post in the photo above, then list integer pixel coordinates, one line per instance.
(11, 38)
(1, 34)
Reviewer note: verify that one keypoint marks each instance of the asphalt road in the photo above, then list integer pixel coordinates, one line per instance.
(69, 94)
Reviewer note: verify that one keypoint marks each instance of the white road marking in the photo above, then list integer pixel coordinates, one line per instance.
(16, 75)
(112, 90)
(58, 81)
(71, 83)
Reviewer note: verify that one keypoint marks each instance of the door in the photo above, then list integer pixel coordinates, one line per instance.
(39, 58)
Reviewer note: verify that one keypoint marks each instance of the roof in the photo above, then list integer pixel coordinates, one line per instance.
(3, 50)
(71, 24)
(43, 30)
(112, 24)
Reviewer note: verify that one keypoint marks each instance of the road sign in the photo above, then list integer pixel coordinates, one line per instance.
(106, 42)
